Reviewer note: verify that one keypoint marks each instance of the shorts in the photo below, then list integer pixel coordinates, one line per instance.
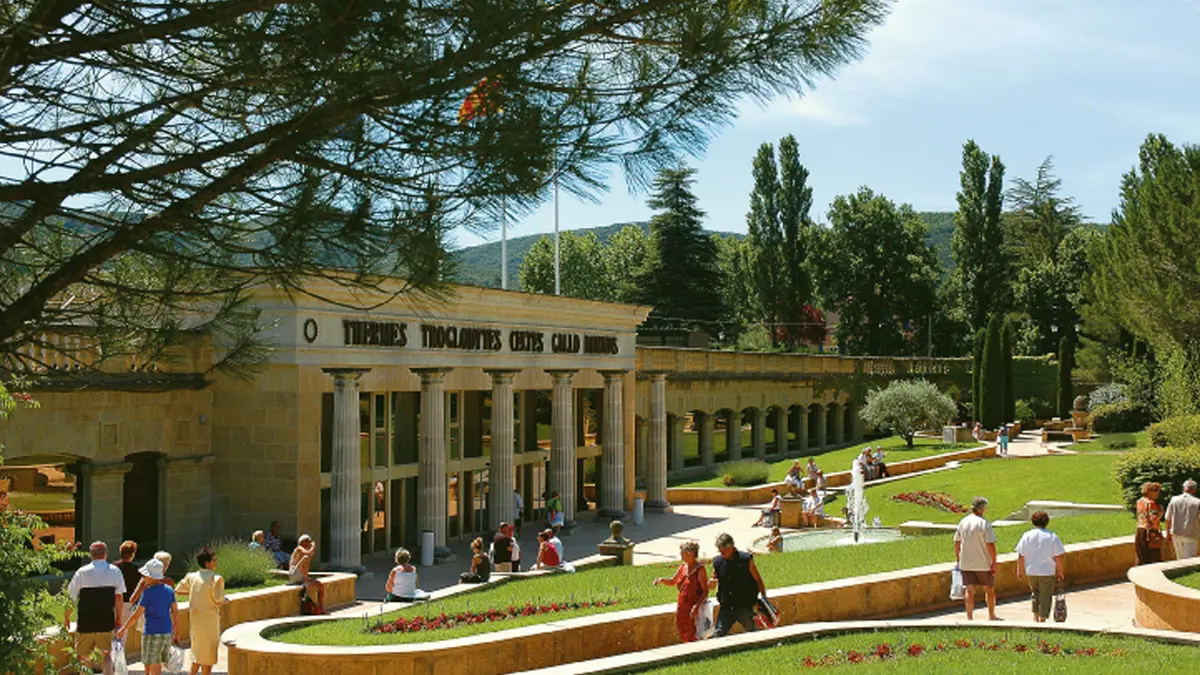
(1042, 595)
(156, 649)
(980, 578)
(86, 644)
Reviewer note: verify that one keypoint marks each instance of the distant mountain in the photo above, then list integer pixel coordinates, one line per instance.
(480, 265)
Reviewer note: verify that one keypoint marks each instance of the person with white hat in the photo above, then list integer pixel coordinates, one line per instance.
(158, 605)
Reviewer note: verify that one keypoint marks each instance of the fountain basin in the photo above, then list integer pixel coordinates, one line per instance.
(815, 539)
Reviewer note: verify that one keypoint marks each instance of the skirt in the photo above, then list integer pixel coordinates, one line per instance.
(206, 637)
(1141, 544)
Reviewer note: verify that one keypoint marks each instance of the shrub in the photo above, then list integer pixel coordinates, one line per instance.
(1169, 466)
(1066, 390)
(908, 406)
(1176, 432)
(1109, 393)
(1119, 417)
(744, 472)
(1123, 444)
(241, 565)
(1042, 409)
(1025, 414)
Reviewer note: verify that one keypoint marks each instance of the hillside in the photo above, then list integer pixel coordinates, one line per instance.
(480, 265)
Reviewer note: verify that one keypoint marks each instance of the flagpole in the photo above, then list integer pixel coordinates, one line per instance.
(557, 276)
(504, 243)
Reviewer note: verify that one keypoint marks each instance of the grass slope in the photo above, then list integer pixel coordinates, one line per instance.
(839, 460)
(632, 585)
(1191, 580)
(1007, 483)
(1116, 655)
(1105, 443)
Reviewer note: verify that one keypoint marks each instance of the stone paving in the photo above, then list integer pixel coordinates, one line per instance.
(1093, 607)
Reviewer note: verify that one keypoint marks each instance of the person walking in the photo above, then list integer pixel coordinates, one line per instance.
(205, 590)
(129, 572)
(692, 581)
(158, 605)
(1041, 556)
(554, 507)
(1182, 521)
(1148, 538)
(1002, 438)
(738, 586)
(975, 551)
(98, 588)
(519, 509)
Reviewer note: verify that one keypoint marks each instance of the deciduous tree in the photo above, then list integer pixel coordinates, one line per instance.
(765, 237)
(908, 406)
(583, 273)
(795, 202)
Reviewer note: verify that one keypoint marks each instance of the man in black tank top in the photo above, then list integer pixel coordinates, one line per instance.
(740, 586)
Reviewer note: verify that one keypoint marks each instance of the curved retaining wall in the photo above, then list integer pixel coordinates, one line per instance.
(592, 637)
(1163, 604)
(760, 494)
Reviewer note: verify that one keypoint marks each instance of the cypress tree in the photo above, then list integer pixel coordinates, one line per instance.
(1066, 363)
(991, 386)
(977, 373)
(1010, 394)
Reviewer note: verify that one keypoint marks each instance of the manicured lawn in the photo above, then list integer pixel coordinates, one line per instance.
(42, 501)
(1191, 580)
(632, 585)
(1105, 443)
(839, 460)
(1007, 483)
(960, 653)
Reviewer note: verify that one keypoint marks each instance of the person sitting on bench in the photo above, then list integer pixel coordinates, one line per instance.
(772, 511)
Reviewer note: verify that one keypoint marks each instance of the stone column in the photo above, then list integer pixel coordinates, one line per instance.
(345, 494)
(675, 429)
(629, 419)
(839, 426)
(707, 423)
(802, 429)
(819, 432)
(733, 435)
(103, 502)
(758, 435)
(612, 464)
(432, 491)
(501, 477)
(781, 431)
(562, 443)
(656, 461)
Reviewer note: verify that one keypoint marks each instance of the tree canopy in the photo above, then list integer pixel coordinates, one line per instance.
(908, 406)
(980, 274)
(174, 154)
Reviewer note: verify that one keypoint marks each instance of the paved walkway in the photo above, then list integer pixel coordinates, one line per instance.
(1092, 607)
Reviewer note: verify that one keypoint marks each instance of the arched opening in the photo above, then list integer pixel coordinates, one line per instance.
(777, 430)
(751, 431)
(141, 513)
(693, 452)
(832, 427)
(727, 435)
(53, 487)
(815, 421)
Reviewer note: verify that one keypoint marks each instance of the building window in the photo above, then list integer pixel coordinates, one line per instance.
(381, 430)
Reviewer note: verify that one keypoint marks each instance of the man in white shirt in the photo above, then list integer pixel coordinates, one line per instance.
(1182, 521)
(519, 506)
(98, 588)
(1040, 556)
(975, 551)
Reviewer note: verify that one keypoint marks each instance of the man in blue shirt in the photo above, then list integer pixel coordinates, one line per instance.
(158, 605)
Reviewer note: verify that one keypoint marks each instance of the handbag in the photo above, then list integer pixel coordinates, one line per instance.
(705, 624)
(1154, 538)
(956, 584)
(1060, 605)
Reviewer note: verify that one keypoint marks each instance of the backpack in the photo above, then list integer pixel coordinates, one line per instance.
(308, 606)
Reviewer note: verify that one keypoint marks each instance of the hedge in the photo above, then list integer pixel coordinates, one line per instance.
(1168, 466)
(1119, 418)
(1177, 432)
(744, 472)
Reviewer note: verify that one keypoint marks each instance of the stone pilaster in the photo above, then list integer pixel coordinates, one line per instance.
(801, 429)
(758, 433)
(820, 430)
(733, 435)
(839, 426)
(706, 426)
(562, 443)
(781, 430)
(501, 479)
(675, 445)
(856, 425)
(103, 502)
(345, 494)
(431, 477)
(656, 462)
(612, 497)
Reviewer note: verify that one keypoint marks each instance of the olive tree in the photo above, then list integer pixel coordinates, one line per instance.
(908, 406)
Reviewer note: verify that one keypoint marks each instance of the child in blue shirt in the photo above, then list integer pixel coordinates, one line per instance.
(158, 605)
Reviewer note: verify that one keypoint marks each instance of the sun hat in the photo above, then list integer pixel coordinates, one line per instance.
(153, 569)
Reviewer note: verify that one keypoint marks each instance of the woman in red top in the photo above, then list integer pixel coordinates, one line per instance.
(547, 554)
(692, 581)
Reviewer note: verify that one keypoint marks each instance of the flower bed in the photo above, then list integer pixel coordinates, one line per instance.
(886, 651)
(445, 621)
(934, 500)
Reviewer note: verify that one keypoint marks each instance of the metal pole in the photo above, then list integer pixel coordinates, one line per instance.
(504, 243)
(557, 275)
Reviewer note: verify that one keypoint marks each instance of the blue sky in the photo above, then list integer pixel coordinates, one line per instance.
(1082, 80)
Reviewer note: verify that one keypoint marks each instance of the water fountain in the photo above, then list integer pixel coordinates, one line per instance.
(858, 499)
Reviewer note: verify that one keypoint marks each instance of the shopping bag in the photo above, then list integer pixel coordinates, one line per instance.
(705, 624)
(175, 660)
(1060, 606)
(766, 615)
(956, 584)
(117, 656)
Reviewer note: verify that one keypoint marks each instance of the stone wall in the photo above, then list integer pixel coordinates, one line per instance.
(1161, 603)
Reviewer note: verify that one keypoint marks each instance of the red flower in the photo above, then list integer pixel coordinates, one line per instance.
(855, 657)
(1021, 649)
(915, 649)
(809, 663)
(883, 651)
(962, 644)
